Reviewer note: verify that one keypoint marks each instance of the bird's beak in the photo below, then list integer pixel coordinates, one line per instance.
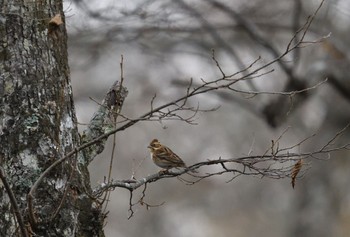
(149, 147)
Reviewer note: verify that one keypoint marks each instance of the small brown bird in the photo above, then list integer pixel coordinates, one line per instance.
(163, 157)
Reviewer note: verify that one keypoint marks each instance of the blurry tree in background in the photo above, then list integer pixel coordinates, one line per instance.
(235, 88)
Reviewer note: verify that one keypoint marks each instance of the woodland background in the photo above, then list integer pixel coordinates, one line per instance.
(168, 42)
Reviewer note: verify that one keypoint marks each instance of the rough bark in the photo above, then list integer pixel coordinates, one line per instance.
(38, 126)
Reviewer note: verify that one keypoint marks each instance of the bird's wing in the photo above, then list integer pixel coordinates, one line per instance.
(168, 155)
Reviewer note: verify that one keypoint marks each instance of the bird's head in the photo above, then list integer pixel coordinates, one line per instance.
(154, 145)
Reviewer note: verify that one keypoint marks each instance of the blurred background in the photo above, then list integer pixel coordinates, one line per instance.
(165, 43)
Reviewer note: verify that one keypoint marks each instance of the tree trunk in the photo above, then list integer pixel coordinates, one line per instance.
(38, 127)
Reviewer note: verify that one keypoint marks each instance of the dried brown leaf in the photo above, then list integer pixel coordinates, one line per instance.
(295, 171)
(56, 20)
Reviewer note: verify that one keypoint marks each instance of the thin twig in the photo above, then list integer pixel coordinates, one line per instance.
(115, 118)
(217, 63)
(13, 202)
(55, 213)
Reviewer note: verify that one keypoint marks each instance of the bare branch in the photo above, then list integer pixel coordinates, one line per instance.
(295, 27)
(285, 93)
(141, 201)
(337, 135)
(217, 63)
(116, 111)
(66, 188)
(276, 165)
(13, 201)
